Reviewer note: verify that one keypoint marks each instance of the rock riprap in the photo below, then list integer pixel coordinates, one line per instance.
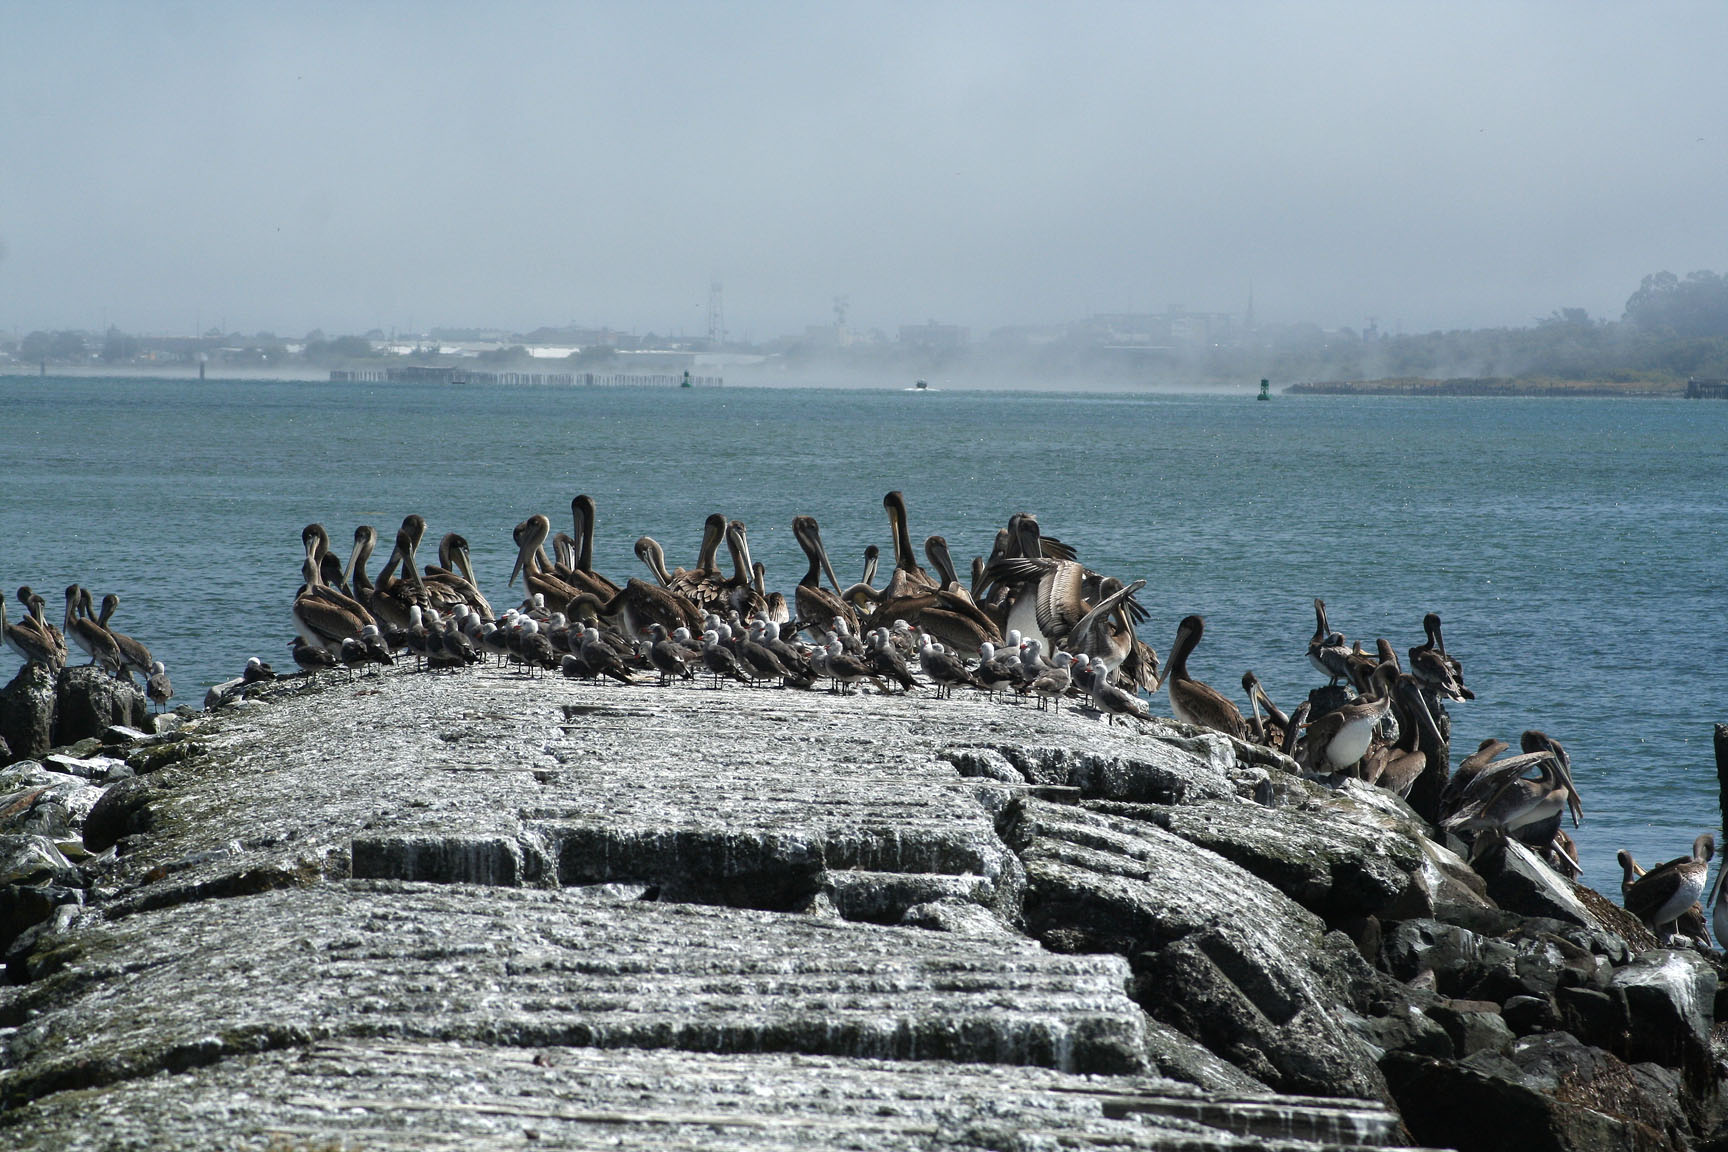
(481, 911)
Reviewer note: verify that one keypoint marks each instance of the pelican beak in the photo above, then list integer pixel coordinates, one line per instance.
(523, 547)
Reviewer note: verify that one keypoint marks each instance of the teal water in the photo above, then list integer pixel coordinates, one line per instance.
(1573, 547)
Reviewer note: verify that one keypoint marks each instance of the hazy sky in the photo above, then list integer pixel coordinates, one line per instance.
(348, 166)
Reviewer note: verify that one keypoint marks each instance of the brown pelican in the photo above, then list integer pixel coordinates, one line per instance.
(774, 603)
(1408, 758)
(1452, 795)
(395, 597)
(1719, 912)
(907, 576)
(454, 577)
(1663, 894)
(36, 621)
(89, 635)
(1500, 797)
(1438, 671)
(741, 594)
(1105, 634)
(1340, 738)
(705, 586)
(1275, 728)
(327, 577)
(322, 616)
(537, 576)
(1046, 598)
(946, 612)
(1326, 650)
(816, 606)
(637, 605)
(582, 511)
(1193, 701)
(648, 551)
(133, 653)
(31, 646)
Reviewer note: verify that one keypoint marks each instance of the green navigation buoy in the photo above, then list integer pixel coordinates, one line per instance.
(1265, 390)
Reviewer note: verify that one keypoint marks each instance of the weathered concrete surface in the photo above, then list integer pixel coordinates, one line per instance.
(415, 1095)
(320, 912)
(401, 907)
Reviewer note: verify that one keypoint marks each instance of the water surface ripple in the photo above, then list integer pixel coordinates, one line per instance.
(1574, 547)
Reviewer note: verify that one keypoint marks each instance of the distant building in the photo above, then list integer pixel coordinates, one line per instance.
(934, 337)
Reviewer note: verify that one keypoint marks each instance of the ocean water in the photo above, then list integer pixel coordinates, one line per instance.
(1573, 547)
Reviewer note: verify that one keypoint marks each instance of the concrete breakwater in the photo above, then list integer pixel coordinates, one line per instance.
(486, 911)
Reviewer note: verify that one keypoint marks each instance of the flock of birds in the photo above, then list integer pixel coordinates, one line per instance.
(37, 640)
(1031, 623)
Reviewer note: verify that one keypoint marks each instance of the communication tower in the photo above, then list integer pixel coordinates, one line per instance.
(716, 314)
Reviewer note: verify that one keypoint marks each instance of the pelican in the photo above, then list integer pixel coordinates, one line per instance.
(1326, 650)
(705, 586)
(945, 611)
(582, 572)
(1438, 671)
(31, 646)
(133, 653)
(36, 621)
(1275, 730)
(1408, 758)
(1719, 912)
(637, 605)
(537, 576)
(1105, 634)
(814, 603)
(908, 576)
(1500, 797)
(89, 635)
(320, 620)
(1193, 701)
(1046, 598)
(1341, 738)
(741, 594)
(1663, 894)
(454, 577)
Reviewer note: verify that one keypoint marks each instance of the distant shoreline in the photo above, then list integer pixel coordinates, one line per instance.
(1485, 386)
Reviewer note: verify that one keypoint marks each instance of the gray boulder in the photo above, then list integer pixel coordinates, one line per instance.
(1219, 954)
(1670, 1001)
(90, 702)
(27, 713)
(1548, 1093)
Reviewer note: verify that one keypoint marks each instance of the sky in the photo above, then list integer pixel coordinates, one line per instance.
(285, 167)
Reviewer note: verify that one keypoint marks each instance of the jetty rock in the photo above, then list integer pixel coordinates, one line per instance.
(484, 909)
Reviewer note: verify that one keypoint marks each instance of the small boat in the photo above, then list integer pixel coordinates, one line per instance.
(921, 386)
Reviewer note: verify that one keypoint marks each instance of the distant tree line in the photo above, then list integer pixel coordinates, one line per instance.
(1672, 328)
